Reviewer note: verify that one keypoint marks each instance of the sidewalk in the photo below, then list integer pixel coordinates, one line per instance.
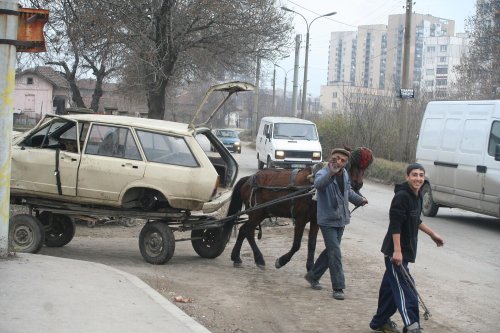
(47, 294)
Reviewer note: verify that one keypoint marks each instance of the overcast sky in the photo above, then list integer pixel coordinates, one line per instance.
(350, 14)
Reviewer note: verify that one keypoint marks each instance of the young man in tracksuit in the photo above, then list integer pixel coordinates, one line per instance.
(333, 194)
(400, 248)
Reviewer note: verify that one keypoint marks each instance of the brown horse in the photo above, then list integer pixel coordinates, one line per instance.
(268, 185)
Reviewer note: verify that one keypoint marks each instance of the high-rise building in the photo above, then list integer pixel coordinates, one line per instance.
(371, 55)
(342, 57)
(440, 56)
(422, 26)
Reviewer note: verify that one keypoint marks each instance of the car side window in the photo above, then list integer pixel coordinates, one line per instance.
(112, 141)
(166, 149)
(56, 134)
(494, 138)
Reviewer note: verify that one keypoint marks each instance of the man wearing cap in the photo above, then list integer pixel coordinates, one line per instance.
(333, 194)
(399, 248)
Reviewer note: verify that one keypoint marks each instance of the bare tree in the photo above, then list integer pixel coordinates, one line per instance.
(478, 74)
(81, 39)
(171, 40)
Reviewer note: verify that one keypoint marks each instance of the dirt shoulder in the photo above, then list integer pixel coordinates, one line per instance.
(248, 299)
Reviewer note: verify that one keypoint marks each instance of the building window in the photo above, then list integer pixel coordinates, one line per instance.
(442, 70)
(442, 59)
(443, 48)
(429, 83)
(431, 49)
(441, 82)
(334, 105)
(429, 71)
(334, 94)
(29, 80)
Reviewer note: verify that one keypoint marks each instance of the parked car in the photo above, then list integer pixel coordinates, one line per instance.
(124, 162)
(459, 146)
(230, 138)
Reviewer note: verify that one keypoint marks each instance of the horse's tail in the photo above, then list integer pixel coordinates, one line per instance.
(235, 203)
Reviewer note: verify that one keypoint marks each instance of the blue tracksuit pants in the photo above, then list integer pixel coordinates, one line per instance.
(396, 294)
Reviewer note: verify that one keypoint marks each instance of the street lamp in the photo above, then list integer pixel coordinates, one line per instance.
(285, 82)
(308, 25)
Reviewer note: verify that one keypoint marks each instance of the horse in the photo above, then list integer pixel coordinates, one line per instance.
(269, 185)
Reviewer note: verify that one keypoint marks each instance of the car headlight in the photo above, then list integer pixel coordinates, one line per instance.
(237, 143)
(316, 155)
(279, 154)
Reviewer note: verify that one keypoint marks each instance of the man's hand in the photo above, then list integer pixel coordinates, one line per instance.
(437, 239)
(397, 258)
(364, 202)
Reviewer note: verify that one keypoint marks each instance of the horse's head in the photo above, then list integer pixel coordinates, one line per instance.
(361, 158)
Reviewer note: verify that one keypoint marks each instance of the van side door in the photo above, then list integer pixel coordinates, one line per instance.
(490, 201)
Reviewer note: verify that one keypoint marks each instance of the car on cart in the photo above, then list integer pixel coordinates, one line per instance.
(230, 138)
(118, 165)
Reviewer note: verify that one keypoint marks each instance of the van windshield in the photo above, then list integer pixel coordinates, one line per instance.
(295, 131)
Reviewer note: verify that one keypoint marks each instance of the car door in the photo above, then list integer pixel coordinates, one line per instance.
(109, 162)
(490, 203)
(46, 161)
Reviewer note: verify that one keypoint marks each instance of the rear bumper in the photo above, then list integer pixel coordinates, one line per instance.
(212, 206)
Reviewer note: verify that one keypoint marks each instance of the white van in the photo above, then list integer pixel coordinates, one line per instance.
(287, 142)
(459, 147)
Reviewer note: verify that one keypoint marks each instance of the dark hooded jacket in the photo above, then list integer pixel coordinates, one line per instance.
(404, 216)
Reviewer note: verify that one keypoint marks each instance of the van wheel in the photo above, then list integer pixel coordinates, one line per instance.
(260, 164)
(429, 207)
(269, 164)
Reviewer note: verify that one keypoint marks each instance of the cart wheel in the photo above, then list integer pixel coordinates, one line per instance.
(208, 243)
(156, 242)
(59, 228)
(25, 233)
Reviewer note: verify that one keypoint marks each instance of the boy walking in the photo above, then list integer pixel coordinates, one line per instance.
(400, 248)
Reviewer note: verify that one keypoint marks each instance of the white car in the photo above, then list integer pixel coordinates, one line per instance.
(124, 162)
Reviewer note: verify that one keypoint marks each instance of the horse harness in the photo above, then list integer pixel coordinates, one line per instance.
(292, 186)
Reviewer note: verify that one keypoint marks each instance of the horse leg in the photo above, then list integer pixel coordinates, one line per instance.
(311, 244)
(258, 256)
(297, 239)
(235, 254)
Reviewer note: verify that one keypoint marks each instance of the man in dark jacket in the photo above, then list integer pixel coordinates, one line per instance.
(400, 248)
(333, 194)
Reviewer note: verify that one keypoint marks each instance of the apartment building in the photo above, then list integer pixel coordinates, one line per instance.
(440, 56)
(422, 26)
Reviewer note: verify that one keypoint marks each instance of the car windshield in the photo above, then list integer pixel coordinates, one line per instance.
(295, 131)
(226, 134)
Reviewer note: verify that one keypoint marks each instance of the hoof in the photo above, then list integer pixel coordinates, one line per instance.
(277, 263)
(261, 266)
(237, 264)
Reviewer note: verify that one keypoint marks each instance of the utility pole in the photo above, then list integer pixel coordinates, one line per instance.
(296, 75)
(8, 31)
(274, 90)
(255, 116)
(403, 129)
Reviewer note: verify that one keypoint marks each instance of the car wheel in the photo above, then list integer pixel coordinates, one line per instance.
(59, 229)
(156, 242)
(208, 243)
(260, 165)
(148, 201)
(429, 208)
(25, 234)
(269, 164)
(239, 150)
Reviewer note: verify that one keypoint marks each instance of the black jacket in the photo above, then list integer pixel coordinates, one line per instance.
(404, 217)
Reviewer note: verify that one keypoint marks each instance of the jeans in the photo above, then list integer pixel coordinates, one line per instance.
(331, 257)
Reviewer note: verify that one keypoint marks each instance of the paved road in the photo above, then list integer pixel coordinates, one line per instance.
(466, 269)
(459, 282)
